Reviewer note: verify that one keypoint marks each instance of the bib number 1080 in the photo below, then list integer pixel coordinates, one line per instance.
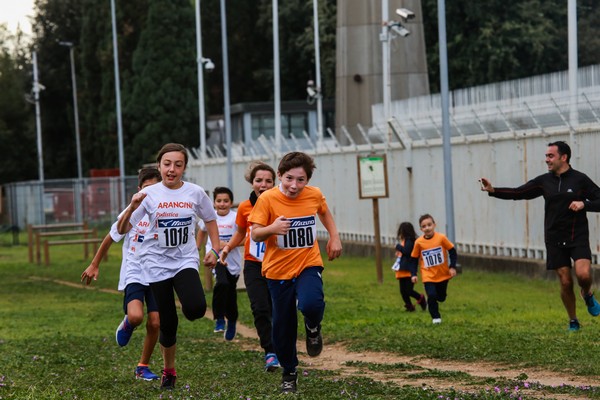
(173, 237)
(299, 237)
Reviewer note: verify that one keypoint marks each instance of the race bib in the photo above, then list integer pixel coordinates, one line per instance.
(433, 257)
(173, 232)
(302, 234)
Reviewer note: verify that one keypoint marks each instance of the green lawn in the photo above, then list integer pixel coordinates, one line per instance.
(57, 342)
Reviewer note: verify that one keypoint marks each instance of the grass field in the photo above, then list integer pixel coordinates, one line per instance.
(57, 341)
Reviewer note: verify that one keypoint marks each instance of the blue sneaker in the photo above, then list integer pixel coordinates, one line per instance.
(230, 332)
(219, 326)
(143, 372)
(271, 362)
(592, 305)
(574, 325)
(124, 332)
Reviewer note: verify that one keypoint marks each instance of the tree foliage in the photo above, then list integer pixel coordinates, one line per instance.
(488, 41)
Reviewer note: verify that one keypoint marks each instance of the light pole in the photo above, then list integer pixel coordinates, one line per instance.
(318, 75)
(226, 104)
(203, 64)
(276, 81)
(36, 97)
(118, 101)
(75, 112)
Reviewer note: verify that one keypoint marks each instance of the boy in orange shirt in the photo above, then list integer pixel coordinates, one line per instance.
(285, 218)
(431, 250)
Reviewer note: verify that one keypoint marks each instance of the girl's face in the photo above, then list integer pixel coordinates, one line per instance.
(293, 181)
(263, 180)
(427, 227)
(222, 204)
(171, 167)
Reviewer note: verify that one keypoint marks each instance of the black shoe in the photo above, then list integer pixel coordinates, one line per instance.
(289, 382)
(168, 381)
(314, 341)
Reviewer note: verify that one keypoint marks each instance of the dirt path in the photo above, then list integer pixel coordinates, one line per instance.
(337, 357)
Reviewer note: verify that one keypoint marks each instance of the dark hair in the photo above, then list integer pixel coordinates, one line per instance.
(169, 147)
(147, 173)
(256, 166)
(424, 217)
(406, 230)
(297, 159)
(563, 149)
(221, 190)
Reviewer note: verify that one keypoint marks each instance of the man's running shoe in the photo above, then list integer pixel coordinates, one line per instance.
(124, 332)
(436, 321)
(143, 372)
(219, 326)
(314, 341)
(271, 362)
(289, 382)
(168, 381)
(574, 325)
(592, 305)
(422, 302)
(230, 332)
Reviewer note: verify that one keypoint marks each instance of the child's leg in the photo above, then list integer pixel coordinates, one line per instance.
(442, 291)
(231, 308)
(406, 287)
(260, 303)
(165, 300)
(152, 327)
(219, 297)
(189, 290)
(285, 322)
(432, 299)
(311, 299)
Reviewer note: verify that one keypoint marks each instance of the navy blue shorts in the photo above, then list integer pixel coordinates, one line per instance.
(561, 256)
(143, 293)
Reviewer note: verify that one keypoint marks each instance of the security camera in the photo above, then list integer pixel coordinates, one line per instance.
(209, 66)
(405, 13)
(400, 30)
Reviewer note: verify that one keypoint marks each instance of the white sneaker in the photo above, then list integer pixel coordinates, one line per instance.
(436, 321)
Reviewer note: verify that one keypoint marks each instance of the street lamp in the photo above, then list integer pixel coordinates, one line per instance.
(71, 46)
(209, 66)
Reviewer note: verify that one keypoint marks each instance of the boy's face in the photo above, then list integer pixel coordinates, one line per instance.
(148, 182)
(222, 204)
(293, 181)
(263, 180)
(428, 228)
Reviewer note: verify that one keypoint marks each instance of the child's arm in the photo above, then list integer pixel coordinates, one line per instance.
(453, 255)
(91, 272)
(211, 257)
(334, 244)
(236, 240)
(280, 226)
(123, 225)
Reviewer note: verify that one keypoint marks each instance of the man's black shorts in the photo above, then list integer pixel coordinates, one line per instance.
(561, 256)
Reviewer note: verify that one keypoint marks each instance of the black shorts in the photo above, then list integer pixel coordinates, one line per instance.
(561, 256)
(137, 291)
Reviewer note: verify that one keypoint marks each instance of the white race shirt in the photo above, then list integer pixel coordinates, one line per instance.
(227, 227)
(169, 244)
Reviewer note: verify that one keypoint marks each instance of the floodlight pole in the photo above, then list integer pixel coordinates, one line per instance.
(318, 75)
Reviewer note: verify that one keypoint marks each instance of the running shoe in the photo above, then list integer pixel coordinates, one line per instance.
(574, 325)
(230, 332)
(124, 332)
(314, 341)
(409, 307)
(592, 305)
(436, 321)
(289, 382)
(219, 326)
(168, 381)
(271, 362)
(422, 302)
(143, 372)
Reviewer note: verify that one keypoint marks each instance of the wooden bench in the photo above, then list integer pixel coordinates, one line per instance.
(87, 234)
(47, 244)
(32, 229)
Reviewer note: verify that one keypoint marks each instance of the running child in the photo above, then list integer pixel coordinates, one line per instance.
(285, 218)
(262, 177)
(131, 281)
(406, 267)
(224, 301)
(168, 254)
(437, 257)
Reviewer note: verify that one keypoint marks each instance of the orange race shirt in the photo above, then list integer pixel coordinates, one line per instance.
(402, 273)
(433, 257)
(253, 251)
(286, 256)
